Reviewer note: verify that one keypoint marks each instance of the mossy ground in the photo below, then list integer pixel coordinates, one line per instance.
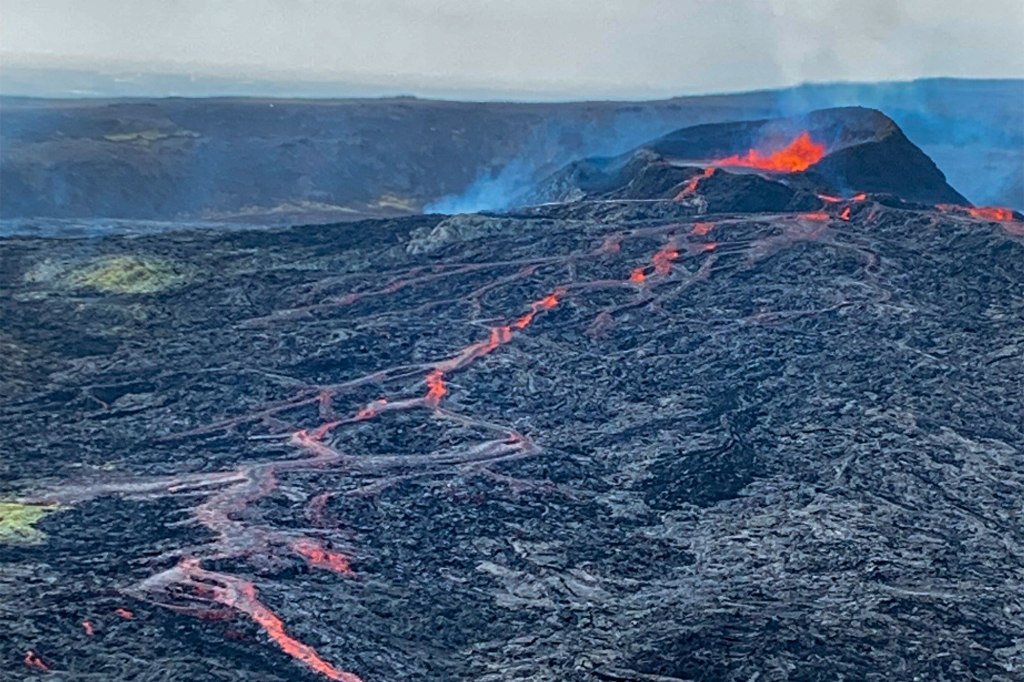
(127, 275)
(17, 522)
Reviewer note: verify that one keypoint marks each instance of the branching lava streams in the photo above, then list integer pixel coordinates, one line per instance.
(189, 586)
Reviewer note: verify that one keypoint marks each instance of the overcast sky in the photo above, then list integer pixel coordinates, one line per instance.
(569, 48)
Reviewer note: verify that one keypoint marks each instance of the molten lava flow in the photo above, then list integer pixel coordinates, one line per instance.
(798, 155)
(499, 335)
(436, 388)
(845, 215)
(818, 216)
(829, 199)
(32, 660)
(87, 626)
(546, 303)
(662, 260)
(691, 186)
(124, 613)
(241, 596)
(996, 213)
(247, 602)
(860, 197)
(318, 557)
(701, 229)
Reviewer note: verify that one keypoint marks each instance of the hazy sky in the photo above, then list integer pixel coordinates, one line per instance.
(626, 48)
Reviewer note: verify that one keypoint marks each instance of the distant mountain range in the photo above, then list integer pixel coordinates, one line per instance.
(267, 160)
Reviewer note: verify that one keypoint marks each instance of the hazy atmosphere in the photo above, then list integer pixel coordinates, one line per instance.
(537, 340)
(494, 49)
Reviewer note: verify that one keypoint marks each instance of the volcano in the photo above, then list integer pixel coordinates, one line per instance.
(839, 151)
(742, 404)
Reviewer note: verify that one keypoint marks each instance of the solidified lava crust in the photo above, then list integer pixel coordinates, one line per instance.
(590, 441)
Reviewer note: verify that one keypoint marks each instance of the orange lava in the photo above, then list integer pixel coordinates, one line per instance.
(436, 388)
(272, 625)
(691, 186)
(798, 155)
(701, 229)
(524, 321)
(499, 335)
(124, 613)
(819, 216)
(241, 595)
(845, 215)
(546, 303)
(860, 197)
(87, 626)
(32, 660)
(662, 260)
(319, 557)
(996, 213)
(828, 198)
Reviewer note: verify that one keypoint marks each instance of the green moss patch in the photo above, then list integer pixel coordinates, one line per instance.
(127, 275)
(18, 521)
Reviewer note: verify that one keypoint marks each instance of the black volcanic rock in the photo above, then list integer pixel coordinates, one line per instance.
(735, 445)
(890, 165)
(865, 152)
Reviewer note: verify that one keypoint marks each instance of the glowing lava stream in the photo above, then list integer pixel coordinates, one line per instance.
(798, 155)
(996, 213)
(188, 587)
(241, 595)
(691, 186)
(436, 387)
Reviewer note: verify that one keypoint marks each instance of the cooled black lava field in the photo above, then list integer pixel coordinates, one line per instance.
(614, 439)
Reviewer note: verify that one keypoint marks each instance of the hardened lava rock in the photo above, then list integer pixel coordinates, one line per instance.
(608, 440)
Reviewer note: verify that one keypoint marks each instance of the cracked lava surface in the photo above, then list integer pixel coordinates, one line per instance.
(552, 448)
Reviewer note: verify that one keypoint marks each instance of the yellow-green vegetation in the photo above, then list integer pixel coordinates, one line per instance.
(127, 275)
(145, 137)
(18, 522)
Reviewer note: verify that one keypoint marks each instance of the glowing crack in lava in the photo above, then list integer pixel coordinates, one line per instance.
(818, 216)
(662, 260)
(691, 186)
(996, 213)
(436, 386)
(32, 660)
(318, 557)
(241, 595)
(190, 588)
(798, 155)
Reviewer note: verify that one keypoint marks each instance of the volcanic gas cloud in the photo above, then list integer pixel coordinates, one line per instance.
(798, 155)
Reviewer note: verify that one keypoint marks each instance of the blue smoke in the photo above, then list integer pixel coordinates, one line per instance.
(972, 129)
